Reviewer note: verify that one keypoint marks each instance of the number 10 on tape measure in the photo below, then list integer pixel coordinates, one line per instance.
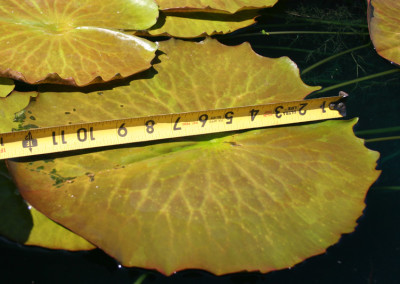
(121, 131)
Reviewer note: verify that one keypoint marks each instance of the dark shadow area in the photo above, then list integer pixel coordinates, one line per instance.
(15, 218)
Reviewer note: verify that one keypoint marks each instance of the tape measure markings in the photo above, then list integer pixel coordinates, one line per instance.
(38, 141)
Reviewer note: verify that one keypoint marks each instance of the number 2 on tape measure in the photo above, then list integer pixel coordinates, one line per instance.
(101, 133)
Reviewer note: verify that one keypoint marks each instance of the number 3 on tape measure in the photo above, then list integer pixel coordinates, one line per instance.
(96, 134)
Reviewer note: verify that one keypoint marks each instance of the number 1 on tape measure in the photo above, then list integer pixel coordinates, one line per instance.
(114, 132)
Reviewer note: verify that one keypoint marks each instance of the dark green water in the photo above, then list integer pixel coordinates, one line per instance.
(369, 255)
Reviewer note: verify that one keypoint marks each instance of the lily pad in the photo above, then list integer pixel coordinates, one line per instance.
(189, 19)
(256, 200)
(214, 5)
(74, 42)
(49, 234)
(196, 24)
(24, 224)
(12, 113)
(383, 21)
(6, 86)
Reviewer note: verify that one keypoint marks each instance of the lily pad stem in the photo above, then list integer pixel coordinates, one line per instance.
(308, 69)
(378, 130)
(380, 139)
(318, 21)
(391, 71)
(140, 279)
(3, 174)
(263, 32)
(386, 187)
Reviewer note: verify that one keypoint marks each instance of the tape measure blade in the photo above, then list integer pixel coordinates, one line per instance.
(123, 131)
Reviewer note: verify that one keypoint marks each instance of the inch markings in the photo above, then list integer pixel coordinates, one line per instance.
(114, 132)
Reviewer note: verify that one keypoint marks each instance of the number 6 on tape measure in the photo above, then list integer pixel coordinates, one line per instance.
(121, 131)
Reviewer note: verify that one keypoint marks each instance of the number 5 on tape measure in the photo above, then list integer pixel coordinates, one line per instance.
(121, 131)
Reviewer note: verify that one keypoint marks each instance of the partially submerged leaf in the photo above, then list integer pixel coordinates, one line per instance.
(6, 86)
(384, 23)
(16, 221)
(196, 24)
(73, 42)
(189, 19)
(256, 200)
(49, 234)
(214, 5)
(24, 224)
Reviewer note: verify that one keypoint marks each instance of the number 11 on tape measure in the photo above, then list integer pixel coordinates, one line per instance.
(39, 141)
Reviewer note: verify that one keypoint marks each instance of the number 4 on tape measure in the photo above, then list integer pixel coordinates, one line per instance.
(121, 131)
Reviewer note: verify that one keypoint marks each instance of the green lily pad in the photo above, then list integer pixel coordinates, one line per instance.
(213, 5)
(256, 200)
(6, 86)
(383, 22)
(74, 42)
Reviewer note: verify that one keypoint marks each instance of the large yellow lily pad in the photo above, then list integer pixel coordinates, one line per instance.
(74, 42)
(214, 5)
(384, 26)
(256, 200)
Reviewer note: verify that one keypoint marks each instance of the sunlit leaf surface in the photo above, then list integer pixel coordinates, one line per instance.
(257, 200)
(72, 42)
(188, 19)
(210, 5)
(12, 112)
(21, 222)
(384, 26)
(194, 24)
(6, 86)
(49, 234)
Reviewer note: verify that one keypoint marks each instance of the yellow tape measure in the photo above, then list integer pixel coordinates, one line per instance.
(39, 141)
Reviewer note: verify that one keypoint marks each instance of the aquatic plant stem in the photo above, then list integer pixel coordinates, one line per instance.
(140, 279)
(283, 48)
(3, 171)
(308, 69)
(357, 80)
(391, 156)
(296, 32)
(5, 175)
(382, 139)
(386, 187)
(378, 130)
(318, 21)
